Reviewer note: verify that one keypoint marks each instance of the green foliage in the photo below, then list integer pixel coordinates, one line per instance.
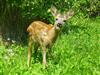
(18, 15)
(76, 52)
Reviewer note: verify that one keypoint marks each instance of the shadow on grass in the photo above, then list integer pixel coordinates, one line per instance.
(75, 28)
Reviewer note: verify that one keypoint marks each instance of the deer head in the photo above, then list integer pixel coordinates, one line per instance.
(59, 18)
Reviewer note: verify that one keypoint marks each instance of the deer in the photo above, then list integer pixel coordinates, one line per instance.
(44, 35)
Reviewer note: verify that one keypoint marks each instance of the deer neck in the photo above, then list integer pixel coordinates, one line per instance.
(53, 33)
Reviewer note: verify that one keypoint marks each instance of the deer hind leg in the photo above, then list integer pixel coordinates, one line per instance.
(44, 55)
(29, 51)
(36, 45)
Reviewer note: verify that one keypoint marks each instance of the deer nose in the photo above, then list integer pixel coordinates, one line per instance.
(59, 24)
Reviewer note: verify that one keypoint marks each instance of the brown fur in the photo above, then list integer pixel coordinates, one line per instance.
(42, 33)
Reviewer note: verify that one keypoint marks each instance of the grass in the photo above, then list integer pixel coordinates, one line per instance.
(76, 52)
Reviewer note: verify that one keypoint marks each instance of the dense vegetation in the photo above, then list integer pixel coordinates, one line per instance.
(76, 51)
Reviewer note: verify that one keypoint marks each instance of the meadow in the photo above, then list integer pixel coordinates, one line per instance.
(76, 52)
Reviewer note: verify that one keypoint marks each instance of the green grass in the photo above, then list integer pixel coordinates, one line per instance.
(76, 52)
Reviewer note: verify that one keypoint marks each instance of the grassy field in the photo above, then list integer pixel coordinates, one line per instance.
(76, 52)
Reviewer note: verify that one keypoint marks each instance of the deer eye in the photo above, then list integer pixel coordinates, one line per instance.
(64, 20)
(56, 18)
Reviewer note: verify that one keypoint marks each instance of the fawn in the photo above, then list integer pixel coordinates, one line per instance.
(44, 35)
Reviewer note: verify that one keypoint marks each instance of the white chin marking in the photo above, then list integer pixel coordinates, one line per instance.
(57, 28)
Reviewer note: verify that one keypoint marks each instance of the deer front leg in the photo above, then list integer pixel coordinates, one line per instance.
(29, 52)
(36, 45)
(44, 55)
(50, 53)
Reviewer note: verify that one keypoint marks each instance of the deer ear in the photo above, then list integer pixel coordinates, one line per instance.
(53, 10)
(69, 14)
